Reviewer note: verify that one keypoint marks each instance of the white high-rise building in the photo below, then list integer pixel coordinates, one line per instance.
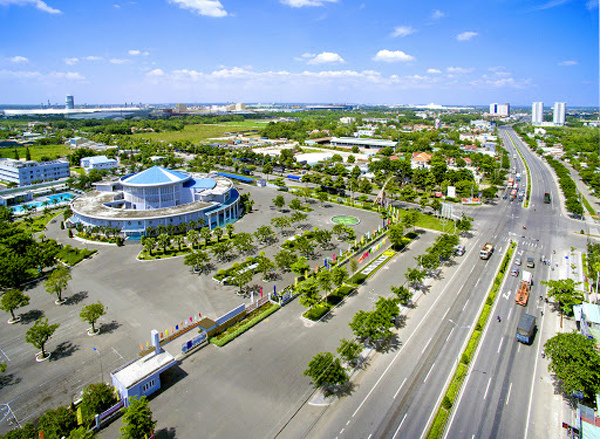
(537, 113)
(69, 102)
(500, 110)
(559, 113)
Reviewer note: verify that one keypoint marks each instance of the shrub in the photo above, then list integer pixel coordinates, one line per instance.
(446, 403)
(317, 311)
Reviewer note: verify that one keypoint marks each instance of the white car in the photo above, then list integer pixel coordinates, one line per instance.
(518, 261)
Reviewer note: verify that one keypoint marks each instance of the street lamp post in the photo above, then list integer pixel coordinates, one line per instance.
(100, 359)
(456, 325)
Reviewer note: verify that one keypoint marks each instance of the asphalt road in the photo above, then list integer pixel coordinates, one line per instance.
(499, 392)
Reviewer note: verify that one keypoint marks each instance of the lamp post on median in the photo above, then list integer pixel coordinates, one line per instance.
(457, 344)
(100, 359)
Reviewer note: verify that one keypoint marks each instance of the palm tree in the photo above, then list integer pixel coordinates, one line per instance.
(178, 240)
(163, 241)
(149, 244)
(205, 234)
(218, 232)
(193, 237)
(229, 228)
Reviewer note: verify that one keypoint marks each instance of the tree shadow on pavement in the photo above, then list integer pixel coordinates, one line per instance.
(76, 298)
(401, 321)
(109, 328)
(31, 316)
(339, 391)
(8, 380)
(166, 433)
(63, 350)
(390, 344)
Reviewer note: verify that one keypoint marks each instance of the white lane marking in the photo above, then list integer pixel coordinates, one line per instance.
(508, 396)
(509, 313)
(427, 344)
(487, 388)
(348, 422)
(449, 334)
(500, 345)
(472, 269)
(477, 283)
(370, 436)
(507, 294)
(115, 351)
(400, 426)
(428, 373)
(404, 345)
(397, 391)
(8, 359)
(466, 304)
(342, 430)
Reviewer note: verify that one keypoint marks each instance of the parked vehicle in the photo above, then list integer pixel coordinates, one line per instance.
(527, 277)
(530, 263)
(518, 261)
(514, 271)
(486, 251)
(526, 328)
(547, 198)
(459, 250)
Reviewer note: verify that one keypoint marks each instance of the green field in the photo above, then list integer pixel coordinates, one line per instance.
(198, 132)
(37, 152)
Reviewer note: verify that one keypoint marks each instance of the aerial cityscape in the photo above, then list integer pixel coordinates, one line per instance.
(299, 219)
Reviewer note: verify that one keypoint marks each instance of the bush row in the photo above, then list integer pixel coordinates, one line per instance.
(243, 325)
(567, 185)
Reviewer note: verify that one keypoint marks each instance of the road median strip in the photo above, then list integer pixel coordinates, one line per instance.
(439, 423)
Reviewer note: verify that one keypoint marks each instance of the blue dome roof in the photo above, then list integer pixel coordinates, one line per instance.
(155, 176)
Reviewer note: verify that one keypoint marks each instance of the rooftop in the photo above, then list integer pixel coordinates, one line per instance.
(155, 176)
(144, 367)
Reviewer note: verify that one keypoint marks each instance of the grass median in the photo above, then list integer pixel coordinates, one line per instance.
(242, 326)
(439, 422)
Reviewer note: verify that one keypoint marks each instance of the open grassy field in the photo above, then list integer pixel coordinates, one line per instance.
(37, 152)
(199, 132)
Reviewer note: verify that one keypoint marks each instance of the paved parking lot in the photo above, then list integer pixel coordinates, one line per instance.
(140, 296)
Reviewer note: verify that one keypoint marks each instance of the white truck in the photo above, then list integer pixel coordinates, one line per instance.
(486, 251)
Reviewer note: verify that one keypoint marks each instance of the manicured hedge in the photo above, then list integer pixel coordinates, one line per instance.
(243, 325)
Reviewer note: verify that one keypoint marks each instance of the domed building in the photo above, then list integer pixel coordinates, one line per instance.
(155, 197)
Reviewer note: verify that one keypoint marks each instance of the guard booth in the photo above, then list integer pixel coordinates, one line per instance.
(141, 377)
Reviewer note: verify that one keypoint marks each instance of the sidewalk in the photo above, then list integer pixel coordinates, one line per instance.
(549, 408)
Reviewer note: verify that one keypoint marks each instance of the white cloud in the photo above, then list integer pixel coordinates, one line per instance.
(138, 52)
(71, 61)
(459, 69)
(392, 56)
(209, 8)
(38, 4)
(326, 58)
(437, 14)
(402, 31)
(592, 4)
(466, 36)
(51, 77)
(19, 59)
(552, 4)
(118, 61)
(19, 74)
(156, 73)
(71, 76)
(567, 63)
(434, 71)
(302, 3)
(93, 58)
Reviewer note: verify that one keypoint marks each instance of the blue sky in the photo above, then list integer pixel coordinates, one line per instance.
(344, 51)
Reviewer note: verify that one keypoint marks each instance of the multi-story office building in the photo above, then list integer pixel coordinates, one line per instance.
(537, 113)
(28, 172)
(70, 103)
(500, 110)
(559, 113)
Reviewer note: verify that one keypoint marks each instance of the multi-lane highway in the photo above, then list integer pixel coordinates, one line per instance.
(497, 396)
(398, 394)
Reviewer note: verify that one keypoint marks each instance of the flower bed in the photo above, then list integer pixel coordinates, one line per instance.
(243, 325)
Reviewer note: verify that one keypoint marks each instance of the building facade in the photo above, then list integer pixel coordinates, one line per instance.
(69, 102)
(537, 113)
(500, 110)
(158, 197)
(559, 113)
(98, 162)
(24, 173)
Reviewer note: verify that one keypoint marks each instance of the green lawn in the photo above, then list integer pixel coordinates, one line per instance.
(37, 152)
(38, 222)
(197, 132)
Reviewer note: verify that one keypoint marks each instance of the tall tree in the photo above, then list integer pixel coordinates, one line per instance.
(218, 232)
(198, 260)
(39, 334)
(414, 276)
(149, 245)
(57, 282)
(12, 300)
(278, 201)
(403, 294)
(193, 237)
(339, 275)
(229, 229)
(164, 241)
(565, 292)
(309, 290)
(205, 234)
(96, 398)
(349, 350)
(575, 361)
(325, 370)
(91, 313)
(396, 235)
(137, 419)
(58, 423)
